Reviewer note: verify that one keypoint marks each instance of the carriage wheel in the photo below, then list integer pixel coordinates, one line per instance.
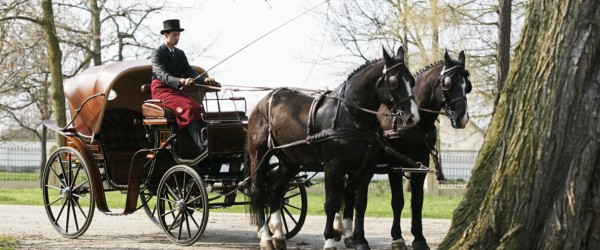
(182, 205)
(295, 207)
(67, 192)
(149, 203)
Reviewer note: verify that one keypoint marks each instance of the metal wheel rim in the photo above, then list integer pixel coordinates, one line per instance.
(182, 209)
(67, 199)
(294, 210)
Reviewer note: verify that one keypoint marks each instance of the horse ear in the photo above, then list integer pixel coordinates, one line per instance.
(461, 58)
(400, 53)
(386, 56)
(447, 59)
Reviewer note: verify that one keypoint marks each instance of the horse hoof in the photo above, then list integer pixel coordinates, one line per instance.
(279, 243)
(399, 244)
(349, 242)
(337, 235)
(266, 245)
(362, 247)
(420, 245)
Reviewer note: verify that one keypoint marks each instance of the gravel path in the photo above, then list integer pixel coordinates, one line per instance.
(30, 225)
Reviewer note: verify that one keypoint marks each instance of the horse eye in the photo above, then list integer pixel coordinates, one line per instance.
(392, 82)
(447, 84)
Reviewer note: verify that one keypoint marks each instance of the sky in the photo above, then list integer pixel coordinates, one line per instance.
(283, 58)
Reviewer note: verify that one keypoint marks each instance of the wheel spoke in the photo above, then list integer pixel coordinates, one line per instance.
(174, 221)
(292, 196)
(193, 200)
(290, 215)
(75, 216)
(290, 205)
(177, 185)
(287, 230)
(53, 187)
(68, 215)
(78, 186)
(190, 191)
(194, 220)
(81, 209)
(76, 175)
(61, 210)
(171, 192)
(50, 204)
(82, 197)
(58, 177)
(187, 224)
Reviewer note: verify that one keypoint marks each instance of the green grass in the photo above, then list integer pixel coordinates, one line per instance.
(18, 176)
(439, 207)
(8, 242)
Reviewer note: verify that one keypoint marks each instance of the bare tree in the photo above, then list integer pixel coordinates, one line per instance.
(535, 184)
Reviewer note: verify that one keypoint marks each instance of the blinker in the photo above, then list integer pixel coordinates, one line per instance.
(447, 83)
(392, 82)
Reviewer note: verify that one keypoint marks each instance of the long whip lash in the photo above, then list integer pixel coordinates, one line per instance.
(276, 28)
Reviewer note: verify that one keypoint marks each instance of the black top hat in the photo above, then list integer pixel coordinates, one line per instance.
(171, 25)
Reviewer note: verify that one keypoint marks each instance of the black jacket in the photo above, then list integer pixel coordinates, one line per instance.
(169, 68)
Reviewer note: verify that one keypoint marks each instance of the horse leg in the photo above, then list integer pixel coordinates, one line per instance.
(286, 172)
(259, 192)
(334, 188)
(395, 179)
(346, 218)
(362, 189)
(416, 183)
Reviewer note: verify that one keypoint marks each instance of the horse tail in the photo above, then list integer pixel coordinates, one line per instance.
(258, 156)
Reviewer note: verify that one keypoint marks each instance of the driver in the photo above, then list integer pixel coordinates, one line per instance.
(170, 71)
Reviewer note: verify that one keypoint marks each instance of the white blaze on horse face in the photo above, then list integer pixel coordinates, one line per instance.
(414, 109)
(276, 225)
(465, 118)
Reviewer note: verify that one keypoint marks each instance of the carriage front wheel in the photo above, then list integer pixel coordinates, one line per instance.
(182, 204)
(67, 192)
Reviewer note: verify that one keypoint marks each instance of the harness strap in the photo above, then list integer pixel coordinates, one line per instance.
(270, 142)
(313, 112)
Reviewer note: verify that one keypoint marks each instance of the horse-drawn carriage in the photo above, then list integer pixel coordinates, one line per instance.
(119, 139)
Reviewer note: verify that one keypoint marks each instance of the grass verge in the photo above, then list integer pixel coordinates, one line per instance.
(437, 207)
(8, 242)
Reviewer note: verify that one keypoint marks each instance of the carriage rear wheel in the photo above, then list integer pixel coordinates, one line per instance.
(295, 207)
(182, 205)
(67, 192)
(149, 203)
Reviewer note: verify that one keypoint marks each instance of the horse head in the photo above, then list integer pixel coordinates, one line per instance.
(396, 93)
(454, 85)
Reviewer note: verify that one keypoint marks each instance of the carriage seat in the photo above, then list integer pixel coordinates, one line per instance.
(155, 111)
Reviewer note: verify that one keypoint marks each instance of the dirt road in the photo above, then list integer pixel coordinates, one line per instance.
(30, 225)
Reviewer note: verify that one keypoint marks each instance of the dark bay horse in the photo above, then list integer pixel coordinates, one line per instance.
(443, 85)
(332, 133)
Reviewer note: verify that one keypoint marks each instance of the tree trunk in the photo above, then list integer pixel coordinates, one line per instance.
(535, 184)
(503, 47)
(435, 30)
(95, 27)
(55, 65)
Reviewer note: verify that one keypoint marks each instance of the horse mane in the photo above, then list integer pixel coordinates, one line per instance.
(429, 67)
(361, 67)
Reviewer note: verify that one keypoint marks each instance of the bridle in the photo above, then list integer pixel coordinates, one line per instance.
(392, 83)
(446, 104)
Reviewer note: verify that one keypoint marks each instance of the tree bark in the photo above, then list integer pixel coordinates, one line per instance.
(95, 27)
(503, 47)
(535, 184)
(55, 65)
